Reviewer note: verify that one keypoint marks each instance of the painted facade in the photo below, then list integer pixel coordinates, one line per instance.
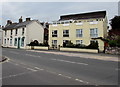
(19, 35)
(79, 29)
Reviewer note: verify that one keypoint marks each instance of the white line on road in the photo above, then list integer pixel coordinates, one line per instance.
(32, 69)
(26, 67)
(64, 76)
(19, 74)
(38, 68)
(51, 72)
(82, 81)
(79, 80)
(16, 64)
(117, 69)
(35, 69)
(69, 61)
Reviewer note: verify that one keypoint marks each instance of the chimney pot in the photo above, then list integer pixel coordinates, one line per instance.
(2, 27)
(27, 19)
(9, 22)
(20, 20)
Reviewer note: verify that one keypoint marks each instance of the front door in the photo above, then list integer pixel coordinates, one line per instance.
(18, 43)
(8, 42)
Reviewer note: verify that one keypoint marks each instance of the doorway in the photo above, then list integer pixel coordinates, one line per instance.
(18, 43)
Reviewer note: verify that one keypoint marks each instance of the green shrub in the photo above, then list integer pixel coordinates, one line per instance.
(36, 43)
(118, 41)
(93, 45)
(112, 43)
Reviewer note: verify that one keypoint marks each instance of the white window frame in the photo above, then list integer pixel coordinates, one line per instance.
(79, 41)
(64, 33)
(15, 41)
(5, 41)
(93, 22)
(80, 33)
(54, 42)
(11, 41)
(22, 41)
(54, 34)
(94, 32)
(93, 41)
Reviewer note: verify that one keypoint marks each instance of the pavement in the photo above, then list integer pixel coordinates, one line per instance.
(3, 58)
(99, 56)
(33, 67)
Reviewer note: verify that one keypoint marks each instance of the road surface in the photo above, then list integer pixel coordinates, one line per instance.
(25, 67)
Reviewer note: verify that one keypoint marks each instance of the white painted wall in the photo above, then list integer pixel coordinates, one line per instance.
(8, 36)
(35, 31)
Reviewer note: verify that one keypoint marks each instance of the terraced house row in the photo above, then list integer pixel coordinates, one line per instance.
(79, 29)
(19, 35)
(82, 28)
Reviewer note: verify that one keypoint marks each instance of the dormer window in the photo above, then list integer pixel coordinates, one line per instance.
(75, 21)
(58, 22)
(54, 24)
(96, 19)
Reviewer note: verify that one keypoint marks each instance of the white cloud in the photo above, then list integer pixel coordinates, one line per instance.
(0, 13)
(59, 0)
(50, 11)
(11, 11)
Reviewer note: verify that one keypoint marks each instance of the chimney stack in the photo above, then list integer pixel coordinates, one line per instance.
(27, 19)
(20, 20)
(9, 22)
(2, 27)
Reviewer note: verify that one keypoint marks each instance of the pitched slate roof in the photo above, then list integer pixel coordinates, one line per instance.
(98, 14)
(11, 26)
(23, 24)
(17, 25)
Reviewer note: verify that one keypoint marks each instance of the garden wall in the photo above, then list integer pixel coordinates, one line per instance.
(79, 50)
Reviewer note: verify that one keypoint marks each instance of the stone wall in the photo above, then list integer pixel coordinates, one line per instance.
(112, 50)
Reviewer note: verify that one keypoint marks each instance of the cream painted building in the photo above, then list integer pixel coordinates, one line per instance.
(79, 29)
(19, 35)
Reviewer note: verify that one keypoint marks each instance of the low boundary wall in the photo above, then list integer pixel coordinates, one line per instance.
(79, 50)
(37, 47)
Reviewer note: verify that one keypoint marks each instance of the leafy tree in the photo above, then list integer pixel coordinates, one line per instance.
(93, 45)
(115, 22)
(114, 33)
(112, 43)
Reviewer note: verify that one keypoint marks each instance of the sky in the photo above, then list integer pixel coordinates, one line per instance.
(119, 8)
(51, 11)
